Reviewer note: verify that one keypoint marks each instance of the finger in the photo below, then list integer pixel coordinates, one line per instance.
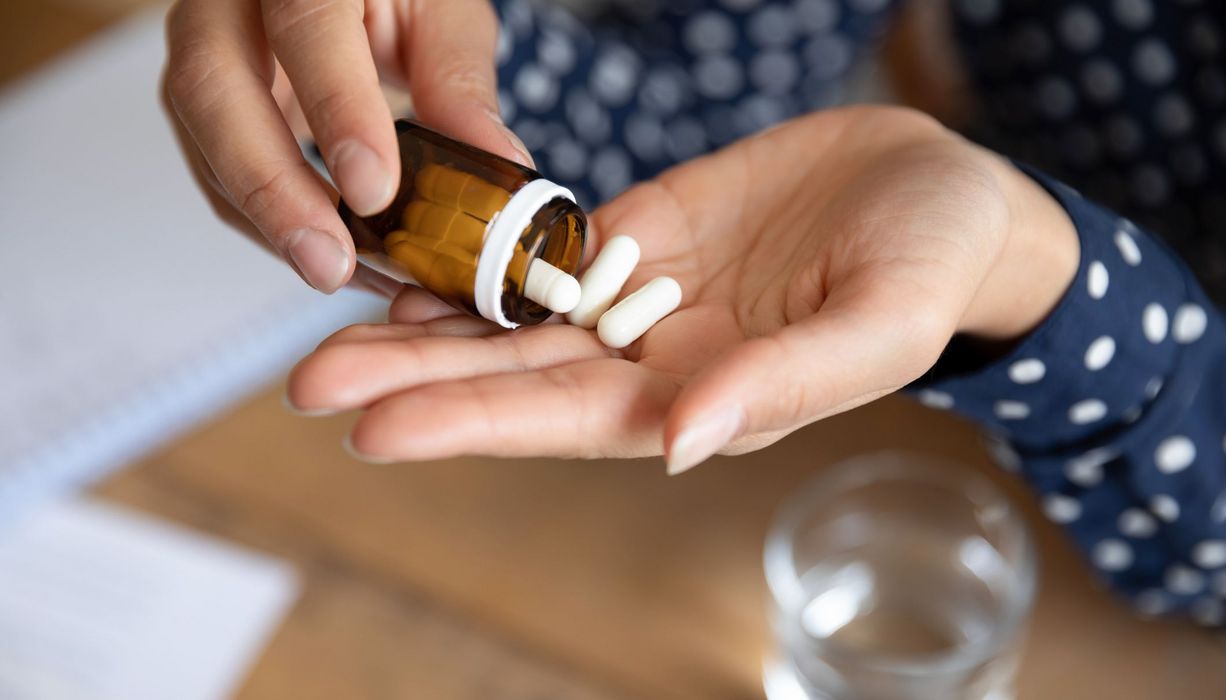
(287, 101)
(203, 174)
(868, 338)
(344, 375)
(323, 47)
(363, 278)
(450, 59)
(449, 327)
(415, 305)
(219, 72)
(606, 407)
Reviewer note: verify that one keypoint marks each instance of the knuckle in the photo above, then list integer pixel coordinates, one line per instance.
(192, 54)
(464, 77)
(284, 18)
(331, 110)
(269, 189)
(191, 66)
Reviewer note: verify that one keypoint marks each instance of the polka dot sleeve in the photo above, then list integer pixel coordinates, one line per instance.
(1114, 410)
(619, 97)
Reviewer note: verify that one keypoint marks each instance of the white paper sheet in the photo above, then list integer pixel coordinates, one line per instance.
(99, 603)
(128, 312)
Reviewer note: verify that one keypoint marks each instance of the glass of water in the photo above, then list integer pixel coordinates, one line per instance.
(897, 577)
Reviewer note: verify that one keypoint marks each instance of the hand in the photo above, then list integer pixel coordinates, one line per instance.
(824, 263)
(241, 73)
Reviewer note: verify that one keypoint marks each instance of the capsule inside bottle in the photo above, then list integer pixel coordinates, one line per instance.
(467, 226)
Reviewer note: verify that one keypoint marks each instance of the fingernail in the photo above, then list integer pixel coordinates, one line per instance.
(525, 158)
(705, 436)
(320, 259)
(364, 179)
(305, 412)
(347, 444)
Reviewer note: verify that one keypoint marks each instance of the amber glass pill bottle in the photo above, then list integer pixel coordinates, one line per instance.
(467, 225)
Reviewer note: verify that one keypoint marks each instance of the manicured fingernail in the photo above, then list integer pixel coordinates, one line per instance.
(705, 436)
(365, 181)
(305, 412)
(524, 157)
(319, 257)
(347, 443)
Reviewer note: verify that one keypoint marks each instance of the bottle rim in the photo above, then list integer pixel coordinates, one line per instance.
(501, 235)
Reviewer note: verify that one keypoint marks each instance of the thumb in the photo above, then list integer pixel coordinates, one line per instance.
(868, 338)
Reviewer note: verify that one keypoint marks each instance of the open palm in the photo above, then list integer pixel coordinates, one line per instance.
(823, 264)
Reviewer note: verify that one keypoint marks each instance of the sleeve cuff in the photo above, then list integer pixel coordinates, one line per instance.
(1099, 360)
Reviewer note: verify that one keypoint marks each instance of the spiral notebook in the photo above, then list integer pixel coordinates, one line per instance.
(128, 312)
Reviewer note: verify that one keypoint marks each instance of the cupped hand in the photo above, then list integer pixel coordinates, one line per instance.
(244, 76)
(823, 263)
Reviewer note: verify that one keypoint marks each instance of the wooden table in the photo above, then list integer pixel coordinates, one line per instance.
(479, 578)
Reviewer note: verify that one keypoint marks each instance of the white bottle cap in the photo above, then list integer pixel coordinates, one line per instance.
(501, 235)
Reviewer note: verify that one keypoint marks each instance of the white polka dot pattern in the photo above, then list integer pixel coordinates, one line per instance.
(1101, 81)
(1087, 411)
(1027, 371)
(1080, 28)
(1210, 554)
(1135, 522)
(1153, 387)
(1164, 508)
(1087, 470)
(1112, 555)
(1004, 455)
(1128, 248)
(1153, 63)
(1100, 352)
(1097, 280)
(1061, 509)
(936, 399)
(1133, 14)
(1104, 86)
(1189, 324)
(1154, 323)
(1012, 410)
(1184, 580)
(1174, 454)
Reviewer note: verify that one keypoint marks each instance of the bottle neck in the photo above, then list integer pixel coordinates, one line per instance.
(501, 236)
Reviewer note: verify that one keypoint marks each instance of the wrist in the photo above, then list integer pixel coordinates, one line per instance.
(1036, 265)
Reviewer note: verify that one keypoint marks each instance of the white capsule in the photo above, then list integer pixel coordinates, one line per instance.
(604, 279)
(550, 287)
(634, 315)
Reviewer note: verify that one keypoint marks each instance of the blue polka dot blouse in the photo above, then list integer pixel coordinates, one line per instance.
(1115, 408)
